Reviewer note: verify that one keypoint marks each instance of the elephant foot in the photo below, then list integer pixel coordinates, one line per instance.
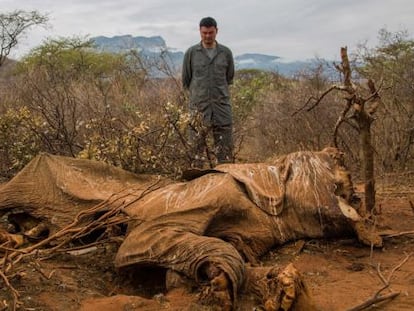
(278, 289)
(216, 294)
(282, 288)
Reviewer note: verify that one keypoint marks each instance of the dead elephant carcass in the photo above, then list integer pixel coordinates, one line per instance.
(208, 228)
(51, 191)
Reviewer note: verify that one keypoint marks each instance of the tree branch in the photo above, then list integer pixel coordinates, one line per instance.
(318, 100)
(376, 298)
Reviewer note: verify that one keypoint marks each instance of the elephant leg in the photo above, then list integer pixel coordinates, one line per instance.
(278, 288)
(214, 291)
(217, 292)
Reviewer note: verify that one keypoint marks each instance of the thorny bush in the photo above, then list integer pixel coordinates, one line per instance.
(66, 98)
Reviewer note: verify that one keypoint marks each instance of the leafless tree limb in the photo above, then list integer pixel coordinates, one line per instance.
(398, 234)
(377, 297)
(13, 25)
(14, 292)
(317, 100)
(373, 300)
(73, 231)
(340, 120)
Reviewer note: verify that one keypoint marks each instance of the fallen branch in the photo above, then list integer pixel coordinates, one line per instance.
(398, 234)
(377, 297)
(83, 251)
(399, 266)
(373, 300)
(82, 225)
(36, 265)
(76, 228)
(14, 292)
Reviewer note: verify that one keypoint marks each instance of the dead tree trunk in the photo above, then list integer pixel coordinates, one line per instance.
(363, 108)
(359, 111)
(367, 159)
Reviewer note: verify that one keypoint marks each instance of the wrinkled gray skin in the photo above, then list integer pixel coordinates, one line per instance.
(219, 220)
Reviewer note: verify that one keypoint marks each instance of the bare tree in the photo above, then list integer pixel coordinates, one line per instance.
(13, 26)
(358, 112)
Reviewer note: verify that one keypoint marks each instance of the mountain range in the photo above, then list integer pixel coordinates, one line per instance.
(153, 49)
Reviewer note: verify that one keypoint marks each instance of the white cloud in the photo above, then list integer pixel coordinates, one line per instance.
(296, 29)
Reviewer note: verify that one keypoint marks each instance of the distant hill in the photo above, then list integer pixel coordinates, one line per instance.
(119, 43)
(270, 63)
(256, 61)
(152, 49)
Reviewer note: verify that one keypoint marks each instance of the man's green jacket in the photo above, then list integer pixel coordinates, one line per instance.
(208, 81)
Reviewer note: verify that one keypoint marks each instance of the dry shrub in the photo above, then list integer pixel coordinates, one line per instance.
(280, 125)
(17, 143)
(95, 105)
(67, 99)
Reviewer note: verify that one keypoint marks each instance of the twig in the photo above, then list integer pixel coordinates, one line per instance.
(381, 275)
(74, 230)
(14, 292)
(5, 258)
(72, 227)
(38, 268)
(340, 120)
(83, 251)
(11, 249)
(399, 265)
(376, 298)
(398, 234)
(317, 100)
(372, 301)
(69, 228)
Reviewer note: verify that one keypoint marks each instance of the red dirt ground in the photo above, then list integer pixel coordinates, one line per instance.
(340, 274)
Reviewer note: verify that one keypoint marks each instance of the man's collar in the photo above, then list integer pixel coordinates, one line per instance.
(200, 45)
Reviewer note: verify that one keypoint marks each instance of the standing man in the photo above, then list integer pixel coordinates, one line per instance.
(208, 70)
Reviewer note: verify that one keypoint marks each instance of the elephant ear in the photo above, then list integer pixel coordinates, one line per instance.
(193, 173)
(265, 184)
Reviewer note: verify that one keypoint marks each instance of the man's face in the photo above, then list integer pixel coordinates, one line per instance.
(208, 35)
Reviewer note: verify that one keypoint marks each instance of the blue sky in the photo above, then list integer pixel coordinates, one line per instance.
(291, 29)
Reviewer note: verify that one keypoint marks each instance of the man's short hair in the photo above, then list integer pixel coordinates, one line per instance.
(208, 22)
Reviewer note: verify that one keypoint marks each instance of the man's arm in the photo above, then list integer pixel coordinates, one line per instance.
(186, 71)
(230, 69)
